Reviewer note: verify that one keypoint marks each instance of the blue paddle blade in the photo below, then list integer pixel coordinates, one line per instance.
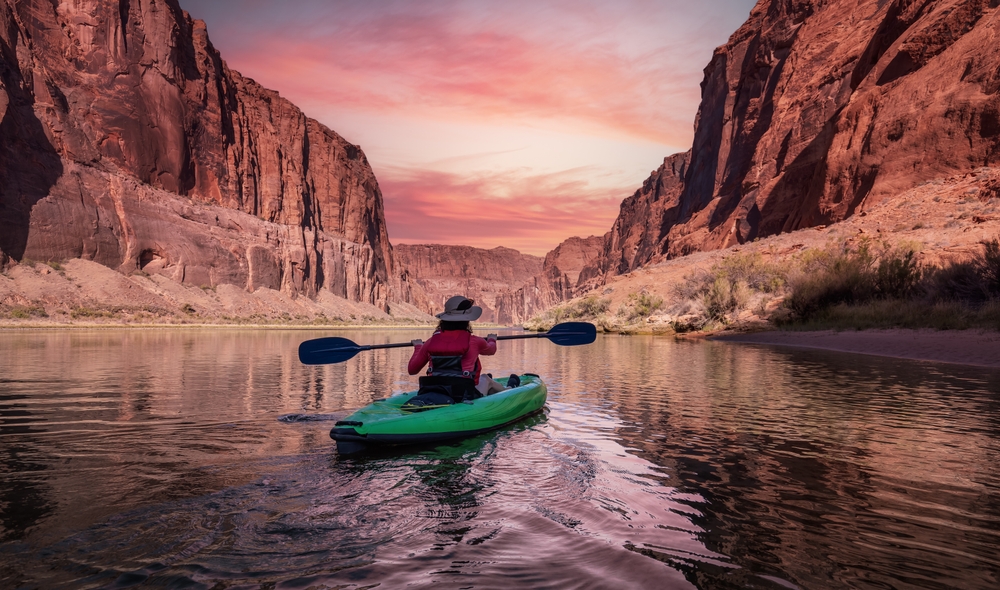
(572, 333)
(323, 351)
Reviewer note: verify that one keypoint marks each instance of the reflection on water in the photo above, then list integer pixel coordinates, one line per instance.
(202, 459)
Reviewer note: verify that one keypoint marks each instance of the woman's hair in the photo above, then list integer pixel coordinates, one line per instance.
(446, 325)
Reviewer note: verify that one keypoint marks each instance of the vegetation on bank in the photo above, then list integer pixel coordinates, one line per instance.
(636, 308)
(878, 286)
(188, 314)
(848, 285)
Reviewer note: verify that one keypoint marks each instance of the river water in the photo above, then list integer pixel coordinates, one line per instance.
(172, 458)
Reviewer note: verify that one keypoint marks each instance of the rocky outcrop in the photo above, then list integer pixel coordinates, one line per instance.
(560, 279)
(643, 220)
(815, 111)
(126, 140)
(483, 275)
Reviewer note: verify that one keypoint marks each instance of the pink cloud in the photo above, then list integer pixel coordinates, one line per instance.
(581, 81)
(439, 64)
(531, 214)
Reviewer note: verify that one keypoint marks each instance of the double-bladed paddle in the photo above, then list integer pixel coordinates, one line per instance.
(324, 351)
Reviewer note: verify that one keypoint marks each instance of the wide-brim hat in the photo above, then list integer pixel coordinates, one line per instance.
(460, 309)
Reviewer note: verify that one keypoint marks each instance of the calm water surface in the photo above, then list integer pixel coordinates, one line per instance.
(202, 459)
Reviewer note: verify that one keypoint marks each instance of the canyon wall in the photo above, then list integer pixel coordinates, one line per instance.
(814, 111)
(483, 275)
(126, 140)
(559, 280)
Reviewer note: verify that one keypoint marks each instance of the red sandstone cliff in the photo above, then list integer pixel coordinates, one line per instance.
(125, 139)
(483, 275)
(814, 111)
(559, 280)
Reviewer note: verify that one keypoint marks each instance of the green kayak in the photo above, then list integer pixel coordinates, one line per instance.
(386, 422)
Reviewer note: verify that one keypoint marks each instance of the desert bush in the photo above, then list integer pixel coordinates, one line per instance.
(736, 283)
(24, 312)
(892, 313)
(752, 270)
(639, 306)
(89, 312)
(877, 286)
(849, 275)
(989, 267)
(959, 281)
(590, 307)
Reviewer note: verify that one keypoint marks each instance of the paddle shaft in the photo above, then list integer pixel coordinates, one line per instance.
(404, 344)
(322, 351)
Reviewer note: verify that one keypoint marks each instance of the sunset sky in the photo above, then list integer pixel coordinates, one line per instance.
(514, 123)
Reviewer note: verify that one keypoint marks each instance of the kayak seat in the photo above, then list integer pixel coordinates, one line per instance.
(427, 401)
(459, 389)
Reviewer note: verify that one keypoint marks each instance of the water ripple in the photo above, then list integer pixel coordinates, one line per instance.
(656, 464)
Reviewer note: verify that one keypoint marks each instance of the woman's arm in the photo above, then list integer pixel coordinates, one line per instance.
(487, 346)
(420, 357)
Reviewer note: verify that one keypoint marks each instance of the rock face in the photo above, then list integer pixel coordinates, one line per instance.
(483, 275)
(126, 140)
(561, 278)
(814, 111)
(635, 237)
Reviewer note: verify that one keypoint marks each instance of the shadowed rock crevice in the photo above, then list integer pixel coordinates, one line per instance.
(29, 163)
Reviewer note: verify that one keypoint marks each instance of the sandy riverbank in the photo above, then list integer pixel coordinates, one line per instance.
(965, 347)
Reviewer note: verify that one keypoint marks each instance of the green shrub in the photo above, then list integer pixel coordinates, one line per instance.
(590, 307)
(737, 282)
(24, 312)
(959, 281)
(87, 312)
(639, 306)
(752, 270)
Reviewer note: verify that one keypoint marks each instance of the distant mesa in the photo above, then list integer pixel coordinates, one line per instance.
(511, 287)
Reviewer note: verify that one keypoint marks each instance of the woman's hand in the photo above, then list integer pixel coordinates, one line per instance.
(417, 342)
(492, 337)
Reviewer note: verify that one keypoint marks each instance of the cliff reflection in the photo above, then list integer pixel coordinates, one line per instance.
(657, 464)
(829, 469)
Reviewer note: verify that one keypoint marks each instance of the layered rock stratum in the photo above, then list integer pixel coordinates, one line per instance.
(126, 140)
(816, 111)
(558, 280)
(480, 274)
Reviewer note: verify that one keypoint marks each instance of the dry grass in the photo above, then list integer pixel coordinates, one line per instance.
(878, 286)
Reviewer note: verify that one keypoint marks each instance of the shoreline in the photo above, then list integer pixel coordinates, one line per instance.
(979, 348)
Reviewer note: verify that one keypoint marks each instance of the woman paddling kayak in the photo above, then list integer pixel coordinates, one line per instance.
(452, 354)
